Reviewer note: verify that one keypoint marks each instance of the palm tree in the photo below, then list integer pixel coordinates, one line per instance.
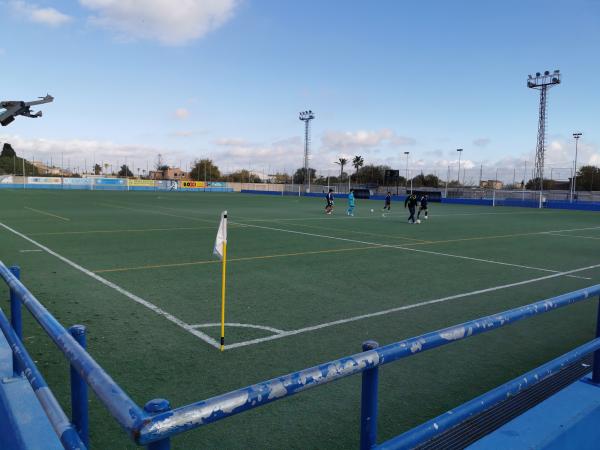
(341, 162)
(358, 162)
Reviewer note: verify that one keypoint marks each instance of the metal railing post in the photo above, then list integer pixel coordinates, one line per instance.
(158, 405)
(79, 392)
(596, 365)
(369, 400)
(15, 316)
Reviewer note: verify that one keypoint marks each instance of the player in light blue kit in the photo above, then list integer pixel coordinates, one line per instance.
(350, 210)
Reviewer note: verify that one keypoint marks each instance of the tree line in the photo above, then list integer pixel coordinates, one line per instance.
(587, 178)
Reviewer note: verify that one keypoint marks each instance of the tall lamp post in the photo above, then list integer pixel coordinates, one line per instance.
(306, 117)
(406, 182)
(459, 150)
(574, 184)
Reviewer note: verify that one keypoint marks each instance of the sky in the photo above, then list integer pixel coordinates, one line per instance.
(226, 79)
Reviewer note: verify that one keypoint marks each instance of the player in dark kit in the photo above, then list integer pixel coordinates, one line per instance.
(411, 202)
(329, 200)
(388, 201)
(423, 206)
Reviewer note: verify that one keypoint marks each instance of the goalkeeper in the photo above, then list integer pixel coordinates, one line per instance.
(329, 200)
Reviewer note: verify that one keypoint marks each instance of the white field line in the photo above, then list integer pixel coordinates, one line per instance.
(399, 247)
(574, 236)
(391, 214)
(572, 229)
(403, 308)
(29, 251)
(119, 289)
(47, 213)
(239, 325)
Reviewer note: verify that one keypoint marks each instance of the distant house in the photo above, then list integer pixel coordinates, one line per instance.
(172, 173)
(49, 170)
(491, 184)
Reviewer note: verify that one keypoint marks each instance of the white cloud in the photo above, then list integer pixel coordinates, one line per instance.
(232, 142)
(235, 153)
(363, 139)
(182, 113)
(172, 22)
(34, 13)
(78, 151)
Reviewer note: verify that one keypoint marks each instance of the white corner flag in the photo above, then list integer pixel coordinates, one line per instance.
(221, 236)
(221, 252)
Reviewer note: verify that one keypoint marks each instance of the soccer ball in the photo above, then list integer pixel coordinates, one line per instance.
(418, 221)
(371, 210)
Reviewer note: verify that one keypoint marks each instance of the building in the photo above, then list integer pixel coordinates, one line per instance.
(172, 173)
(491, 184)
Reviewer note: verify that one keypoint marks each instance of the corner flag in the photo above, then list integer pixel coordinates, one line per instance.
(221, 237)
(220, 251)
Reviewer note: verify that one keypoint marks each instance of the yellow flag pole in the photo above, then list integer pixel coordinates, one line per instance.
(223, 295)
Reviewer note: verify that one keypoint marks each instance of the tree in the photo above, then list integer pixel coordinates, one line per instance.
(428, 180)
(159, 163)
(588, 178)
(125, 172)
(243, 176)
(341, 162)
(7, 151)
(357, 162)
(206, 170)
(97, 169)
(281, 178)
(300, 178)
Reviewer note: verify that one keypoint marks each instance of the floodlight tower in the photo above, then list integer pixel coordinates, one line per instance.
(306, 117)
(542, 82)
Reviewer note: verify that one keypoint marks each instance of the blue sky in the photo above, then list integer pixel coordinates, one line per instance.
(226, 79)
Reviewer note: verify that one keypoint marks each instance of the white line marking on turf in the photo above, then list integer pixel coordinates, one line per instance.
(47, 213)
(28, 251)
(575, 236)
(403, 308)
(119, 289)
(399, 247)
(239, 325)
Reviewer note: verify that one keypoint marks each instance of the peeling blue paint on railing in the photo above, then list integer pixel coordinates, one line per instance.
(156, 424)
(222, 406)
(122, 408)
(62, 427)
(449, 419)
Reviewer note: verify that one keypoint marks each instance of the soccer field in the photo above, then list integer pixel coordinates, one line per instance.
(137, 269)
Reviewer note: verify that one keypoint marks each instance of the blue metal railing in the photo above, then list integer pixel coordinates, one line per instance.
(156, 422)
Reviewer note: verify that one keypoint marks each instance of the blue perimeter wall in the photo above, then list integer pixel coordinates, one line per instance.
(111, 188)
(551, 204)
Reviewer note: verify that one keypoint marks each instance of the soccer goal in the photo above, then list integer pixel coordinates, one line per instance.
(531, 199)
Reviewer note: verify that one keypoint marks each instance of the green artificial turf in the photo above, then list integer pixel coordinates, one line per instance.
(291, 267)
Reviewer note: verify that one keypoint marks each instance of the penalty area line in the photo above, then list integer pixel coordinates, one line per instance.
(403, 308)
(135, 298)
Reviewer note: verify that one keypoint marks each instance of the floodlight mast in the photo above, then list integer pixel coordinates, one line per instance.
(542, 82)
(574, 181)
(306, 117)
